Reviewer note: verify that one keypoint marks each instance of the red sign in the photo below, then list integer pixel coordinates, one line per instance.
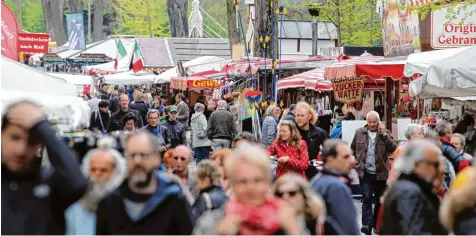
(201, 84)
(9, 33)
(32, 43)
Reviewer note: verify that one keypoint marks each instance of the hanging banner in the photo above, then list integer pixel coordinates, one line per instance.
(348, 89)
(9, 33)
(450, 32)
(202, 84)
(33, 43)
(76, 36)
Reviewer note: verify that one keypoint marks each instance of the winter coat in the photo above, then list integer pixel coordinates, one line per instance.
(269, 130)
(411, 208)
(457, 160)
(175, 134)
(114, 105)
(142, 108)
(167, 212)
(199, 131)
(314, 138)
(210, 198)
(384, 146)
(337, 131)
(298, 159)
(340, 208)
(160, 132)
(183, 114)
(290, 116)
(95, 120)
(221, 125)
(116, 122)
(35, 202)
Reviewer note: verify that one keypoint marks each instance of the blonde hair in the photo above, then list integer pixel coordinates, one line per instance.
(295, 140)
(311, 110)
(314, 205)
(208, 169)
(251, 154)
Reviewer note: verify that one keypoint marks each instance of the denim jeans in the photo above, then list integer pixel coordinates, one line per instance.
(218, 144)
(201, 153)
(370, 188)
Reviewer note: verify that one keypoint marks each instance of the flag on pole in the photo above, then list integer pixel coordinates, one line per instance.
(137, 63)
(121, 52)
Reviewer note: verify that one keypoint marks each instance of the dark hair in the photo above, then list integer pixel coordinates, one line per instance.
(349, 116)
(181, 96)
(245, 136)
(129, 116)
(103, 84)
(103, 103)
(329, 149)
(292, 107)
(462, 126)
(35, 137)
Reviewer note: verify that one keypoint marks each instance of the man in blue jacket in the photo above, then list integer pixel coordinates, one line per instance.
(333, 184)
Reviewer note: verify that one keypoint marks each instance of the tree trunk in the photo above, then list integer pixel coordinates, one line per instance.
(339, 33)
(233, 33)
(19, 7)
(53, 13)
(177, 10)
(76, 5)
(98, 20)
(90, 38)
(263, 25)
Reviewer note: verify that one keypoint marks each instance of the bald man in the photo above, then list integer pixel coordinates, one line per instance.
(106, 169)
(182, 158)
(116, 119)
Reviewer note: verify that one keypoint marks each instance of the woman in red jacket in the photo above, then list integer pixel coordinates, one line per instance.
(290, 150)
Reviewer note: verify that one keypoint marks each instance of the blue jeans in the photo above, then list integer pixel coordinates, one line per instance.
(201, 153)
(371, 187)
(218, 144)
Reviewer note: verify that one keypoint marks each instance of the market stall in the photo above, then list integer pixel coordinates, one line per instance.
(130, 77)
(84, 83)
(191, 67)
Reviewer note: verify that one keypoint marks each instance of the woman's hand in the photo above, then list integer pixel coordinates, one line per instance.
(229, 225)
(288, 219)
(283, 159)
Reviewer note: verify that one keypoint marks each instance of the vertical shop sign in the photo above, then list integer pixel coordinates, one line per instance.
(9, 33)
(76, 36)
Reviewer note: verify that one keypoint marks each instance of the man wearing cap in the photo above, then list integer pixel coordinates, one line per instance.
(175, 130)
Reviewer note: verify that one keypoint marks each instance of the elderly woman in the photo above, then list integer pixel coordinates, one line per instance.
(212, 195)
(200, 142)
(270, 125)
(459, 141)
(251, 209)
(298, 193)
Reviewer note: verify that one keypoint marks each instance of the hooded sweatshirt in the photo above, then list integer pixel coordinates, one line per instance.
(165, 212)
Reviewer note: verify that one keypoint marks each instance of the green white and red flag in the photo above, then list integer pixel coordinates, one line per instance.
(121, 52)
(137, 59)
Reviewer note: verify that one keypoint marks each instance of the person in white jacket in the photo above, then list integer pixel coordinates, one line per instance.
(200, 142)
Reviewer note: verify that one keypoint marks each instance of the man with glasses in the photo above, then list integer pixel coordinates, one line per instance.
(333, 184)
(182, 158)
(147, 202)
(411, 206)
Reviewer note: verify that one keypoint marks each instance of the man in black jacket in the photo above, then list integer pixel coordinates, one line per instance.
(34, 200)
(139, 105)
(221, 127)
(114, 105)
(147, 202)
(101, 118)
(116, 121)
(411, 206)
(314, 136)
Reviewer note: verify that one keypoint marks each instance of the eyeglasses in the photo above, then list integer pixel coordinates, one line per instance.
(180, 158)
(291, 193)
(435, 164)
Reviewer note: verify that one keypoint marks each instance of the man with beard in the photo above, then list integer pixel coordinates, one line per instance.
(101, 118)
(147, 202)
(106, 169)
(116, 121)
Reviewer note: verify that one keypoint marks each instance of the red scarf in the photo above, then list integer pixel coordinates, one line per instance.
(256, 220)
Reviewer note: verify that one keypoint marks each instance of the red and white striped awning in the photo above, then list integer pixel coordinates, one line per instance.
(314, 79)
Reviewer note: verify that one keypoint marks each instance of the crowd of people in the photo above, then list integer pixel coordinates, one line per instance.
(188, 170)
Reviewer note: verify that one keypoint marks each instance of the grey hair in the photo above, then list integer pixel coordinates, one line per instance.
(412, 129)
(151, 111)
(222, 104)
(190, 153)
(442, 128)
(199, 107)
(461, 138)
(251, 154)
(153, 140)
(121, 89)
(270, 110)
(374, 114)
(413, 153)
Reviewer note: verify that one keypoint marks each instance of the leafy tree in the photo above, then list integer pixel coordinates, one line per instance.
(32, 19)
(142, 17)
(455, 8)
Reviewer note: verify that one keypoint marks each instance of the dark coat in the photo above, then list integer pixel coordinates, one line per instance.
(465, 222)
(383, 147)
(117, 124)
(217, 197)
(142, 108)
(290, 116)
(95, 120)
(167, 212)
(35, 203)
(221, 125)
(457, 159)
(411, 208)
(314, 138)
(175, 134)
(114, 105)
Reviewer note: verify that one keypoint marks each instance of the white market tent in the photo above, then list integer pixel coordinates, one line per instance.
(196, 65)
(74, 79)
(446, 73)
(130, 77)
(59, 98)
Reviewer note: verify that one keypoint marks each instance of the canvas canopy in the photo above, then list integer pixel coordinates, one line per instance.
(130, 77)
(196, 65)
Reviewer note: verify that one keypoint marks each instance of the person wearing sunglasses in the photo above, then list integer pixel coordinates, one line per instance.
(295, 190)
(182, 157)
(412, 199)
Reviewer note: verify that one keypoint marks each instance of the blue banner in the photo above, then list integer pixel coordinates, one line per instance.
(76, 36)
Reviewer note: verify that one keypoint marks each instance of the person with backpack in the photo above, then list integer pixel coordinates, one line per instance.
(100, 119)
(212, 195)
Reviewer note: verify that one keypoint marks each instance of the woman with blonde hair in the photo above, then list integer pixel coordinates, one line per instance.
(290, 150)
(295, 190)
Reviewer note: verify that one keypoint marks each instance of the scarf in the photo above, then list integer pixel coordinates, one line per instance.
(261, 220)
